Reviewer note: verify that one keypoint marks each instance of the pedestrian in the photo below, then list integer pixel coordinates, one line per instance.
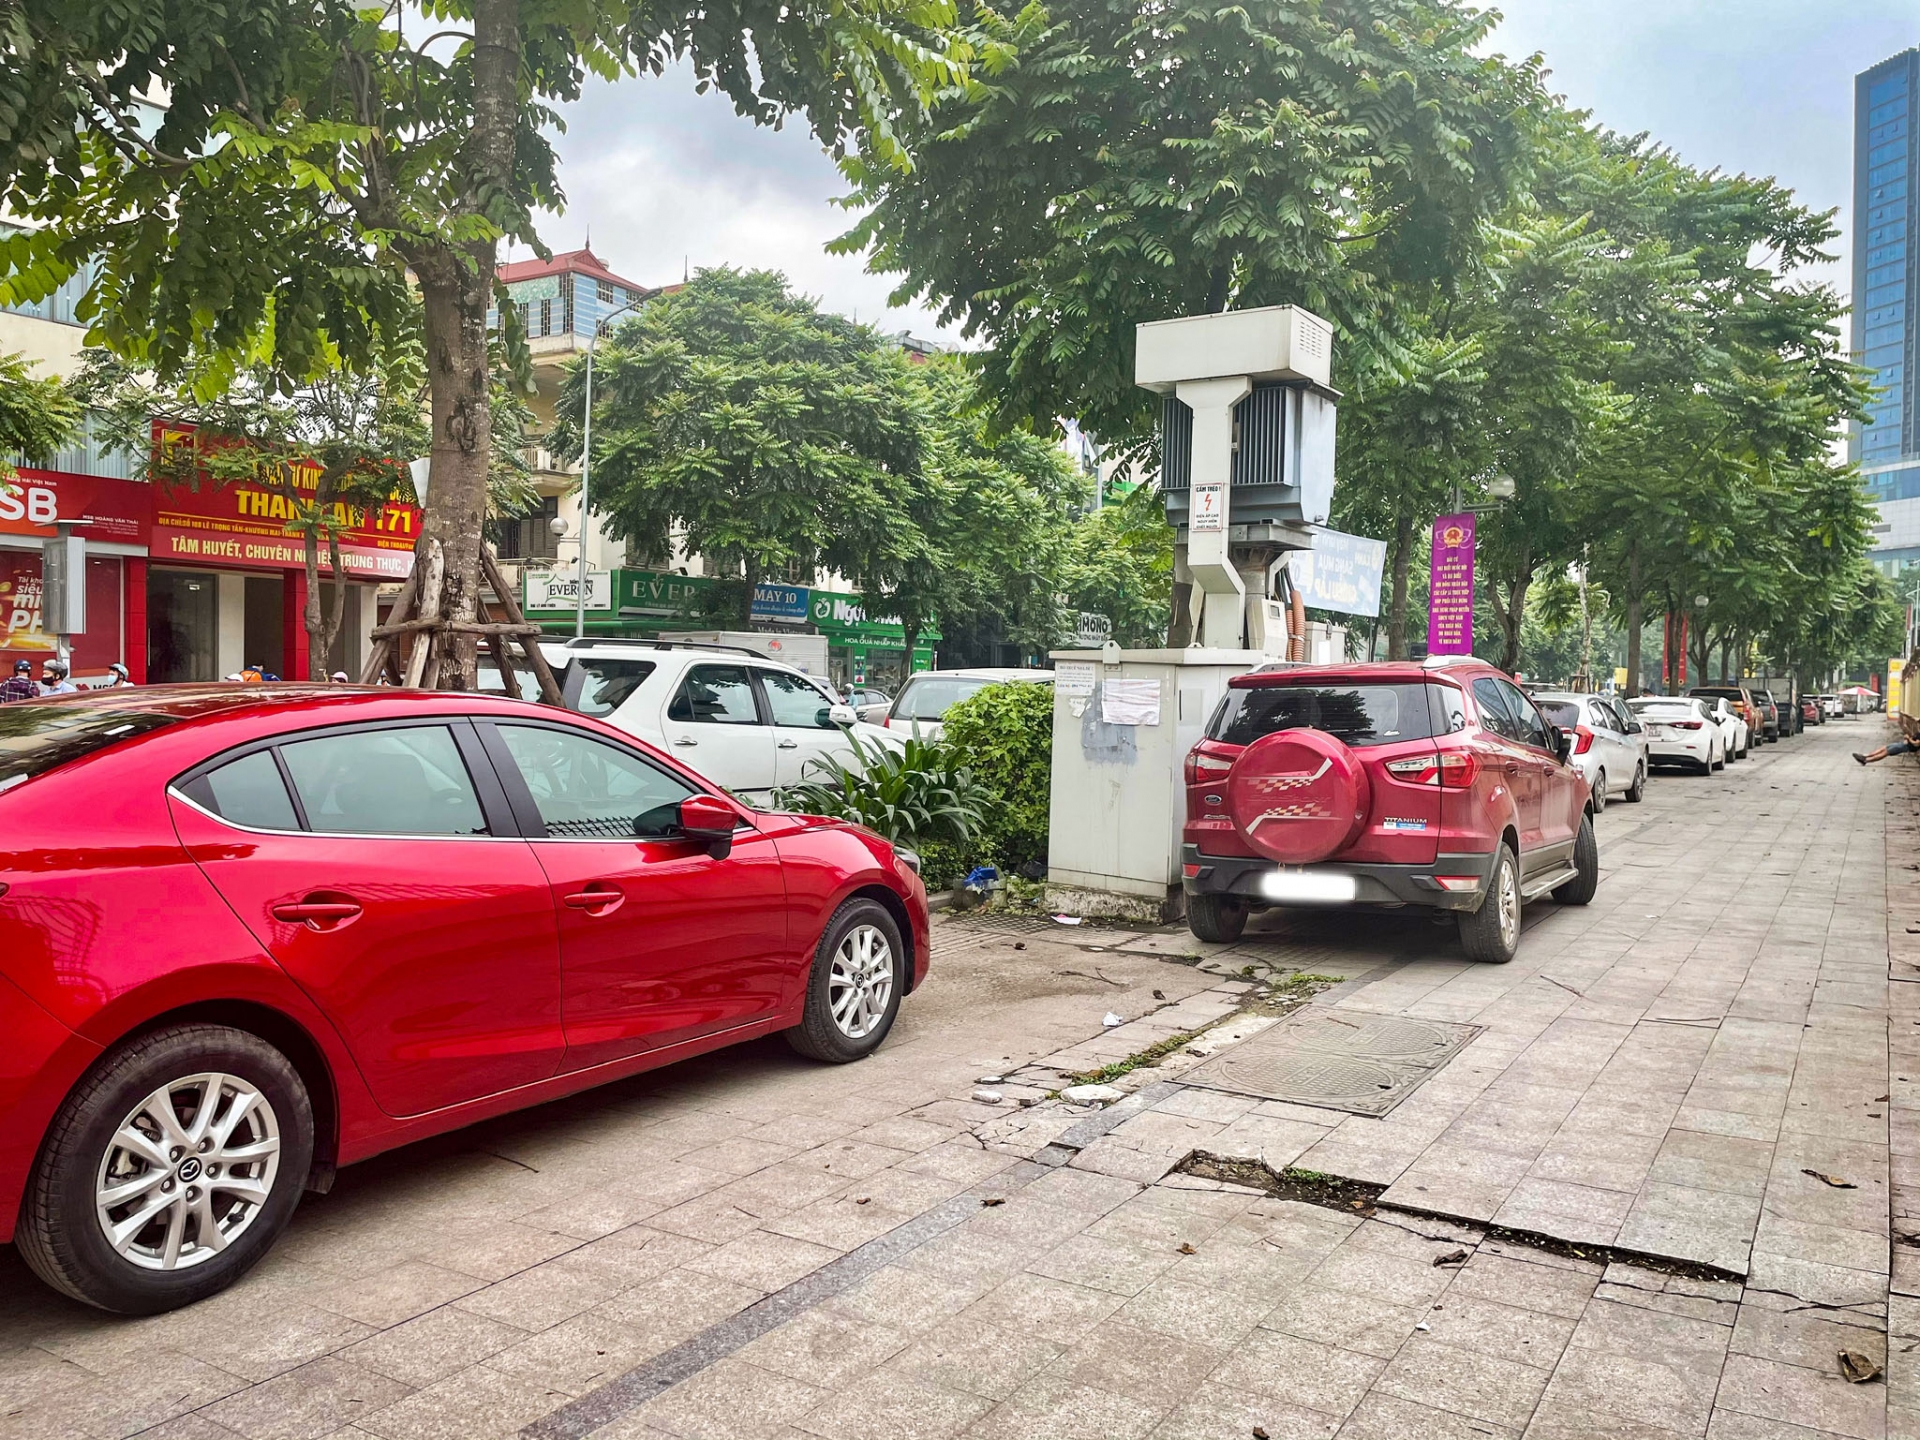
(339, 677)
(21, 684)
(117, 677)
(56, 678)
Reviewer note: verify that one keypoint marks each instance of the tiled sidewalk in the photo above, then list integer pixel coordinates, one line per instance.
(1656, 1072)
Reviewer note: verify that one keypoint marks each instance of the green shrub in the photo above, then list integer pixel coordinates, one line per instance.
(1005, 734)
(918, 795)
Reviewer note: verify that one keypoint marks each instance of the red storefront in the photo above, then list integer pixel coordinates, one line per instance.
(117, 516)
(228, 585)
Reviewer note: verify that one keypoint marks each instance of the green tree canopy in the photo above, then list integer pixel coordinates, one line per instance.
(37, 415)
(317, 163)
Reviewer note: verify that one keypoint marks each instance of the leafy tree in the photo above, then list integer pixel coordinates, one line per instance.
(744, 424)
(317, 164)
(36, 415)
(1106, 163)
(1119, 563)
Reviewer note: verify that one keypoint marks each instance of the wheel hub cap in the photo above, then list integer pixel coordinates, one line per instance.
(860, 982)
(187, 1172)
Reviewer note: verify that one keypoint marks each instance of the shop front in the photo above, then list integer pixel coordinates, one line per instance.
(862, 651)
(113, 516)
(227, 583)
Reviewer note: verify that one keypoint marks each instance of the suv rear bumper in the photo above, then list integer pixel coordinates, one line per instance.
(1243, 878)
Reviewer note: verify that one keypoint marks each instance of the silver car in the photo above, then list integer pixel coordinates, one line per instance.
(1609, 747)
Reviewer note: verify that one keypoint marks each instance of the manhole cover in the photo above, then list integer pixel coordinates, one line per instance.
(1337, 1060)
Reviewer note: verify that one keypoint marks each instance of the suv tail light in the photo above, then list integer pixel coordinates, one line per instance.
(1582, 739)
(1202, 767)
(1449, 769)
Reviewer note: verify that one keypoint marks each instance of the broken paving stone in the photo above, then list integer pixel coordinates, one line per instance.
(1834, 1180)
(987, 1097)
(1091, 1094)
(1857, 1368)
(991, 1080)
(1452, 1257)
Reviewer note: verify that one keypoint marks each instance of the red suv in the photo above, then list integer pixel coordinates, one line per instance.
(1391, 784)
(252, 933)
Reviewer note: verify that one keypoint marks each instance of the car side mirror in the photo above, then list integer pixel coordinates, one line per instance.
(709, 821)
(1562, 743)
(842, 715)
(1634, 727)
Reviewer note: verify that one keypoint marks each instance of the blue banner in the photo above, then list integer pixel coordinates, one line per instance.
(1341, 572)
(780, 604)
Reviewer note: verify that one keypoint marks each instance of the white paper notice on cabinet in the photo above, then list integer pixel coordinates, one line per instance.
(1130, 702)
(1073, 677)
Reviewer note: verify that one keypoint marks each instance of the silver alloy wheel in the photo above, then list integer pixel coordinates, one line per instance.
(1507, 897)
(188, 1171)
(860, 981)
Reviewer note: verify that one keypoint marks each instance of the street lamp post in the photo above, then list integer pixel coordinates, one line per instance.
(586, 461)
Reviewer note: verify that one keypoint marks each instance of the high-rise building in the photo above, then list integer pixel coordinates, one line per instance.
(1886, 298)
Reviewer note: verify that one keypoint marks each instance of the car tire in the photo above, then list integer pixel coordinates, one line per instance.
(1586, 861)
(139, 1089)
(1638, 791)
(1599, 791)
(1491, 934)
(1216, 919)
(853, 990)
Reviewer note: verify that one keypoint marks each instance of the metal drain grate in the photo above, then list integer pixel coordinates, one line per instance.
(1336, 1060)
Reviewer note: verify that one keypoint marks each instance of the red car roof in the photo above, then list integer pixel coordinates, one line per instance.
(1376, 672)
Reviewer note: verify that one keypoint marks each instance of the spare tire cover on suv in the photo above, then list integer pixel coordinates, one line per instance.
(1298, 795)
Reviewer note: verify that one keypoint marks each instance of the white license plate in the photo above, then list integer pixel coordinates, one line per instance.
(1297, 887)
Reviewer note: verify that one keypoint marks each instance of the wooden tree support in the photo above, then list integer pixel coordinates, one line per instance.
(422, 592)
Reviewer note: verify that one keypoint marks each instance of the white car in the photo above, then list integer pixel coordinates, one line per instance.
(1733, 730)
(928, 695)
(738, 718)
(1609, 746)
(1680, 731)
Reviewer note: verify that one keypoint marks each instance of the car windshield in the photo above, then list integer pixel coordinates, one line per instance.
(1355, 714)
(930, 696)
(1564, 713)
(36, 737)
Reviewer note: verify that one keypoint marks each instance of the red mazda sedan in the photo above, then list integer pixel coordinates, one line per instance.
(251, 934)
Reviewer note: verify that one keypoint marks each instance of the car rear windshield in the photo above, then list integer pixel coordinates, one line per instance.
(1356, 714)
(929, 699)
(1564, 713)
(1666, 710)
(36, 737)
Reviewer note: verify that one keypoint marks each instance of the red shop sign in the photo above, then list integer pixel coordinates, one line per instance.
(117, 511)
(247, 525)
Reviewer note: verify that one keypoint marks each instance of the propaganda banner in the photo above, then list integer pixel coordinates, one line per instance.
(1450, 587)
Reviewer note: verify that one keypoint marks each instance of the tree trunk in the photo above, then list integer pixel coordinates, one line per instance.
(1636, 621)
(1401, 559)
(456, 287)
(321, 647)
(1701, 639)
(1513, 612)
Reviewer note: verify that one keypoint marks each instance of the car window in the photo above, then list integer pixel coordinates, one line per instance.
(1599, 713)
(1356, 714)
(606, 683)
(928, 697)
(715, 695)
(406, 781)
(794, 702)
(1494, 714)
(587, 788)
(1564, 713)
(1621, 719)
(247, 791)
(1448, 708)
(35, 738)
(525, 681)
(1530, 727)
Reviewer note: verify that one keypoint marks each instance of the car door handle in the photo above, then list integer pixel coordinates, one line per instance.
(789, 744)
(601, 897)
(685, 740)
(317, 914)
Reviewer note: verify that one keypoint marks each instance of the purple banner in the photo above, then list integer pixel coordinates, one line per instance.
(1450, 587)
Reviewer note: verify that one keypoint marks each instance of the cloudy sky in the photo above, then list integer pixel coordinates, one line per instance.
(662, 178)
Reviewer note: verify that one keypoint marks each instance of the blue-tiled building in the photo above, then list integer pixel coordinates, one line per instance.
(1886, 294)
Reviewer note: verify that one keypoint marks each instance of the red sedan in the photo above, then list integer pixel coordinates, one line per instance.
(251, 934)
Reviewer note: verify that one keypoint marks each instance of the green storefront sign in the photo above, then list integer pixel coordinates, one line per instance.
(646, 602)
